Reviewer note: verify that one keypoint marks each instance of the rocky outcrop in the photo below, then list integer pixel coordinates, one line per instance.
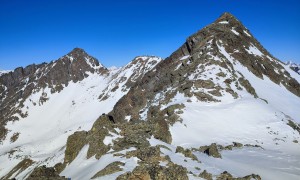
(205, 175)
(45, 173)
(94, 138)
(151, 171)
(186, 152)
(150, 154)
(109, 169)
(211, 150)
(227, 176)
(75, 143)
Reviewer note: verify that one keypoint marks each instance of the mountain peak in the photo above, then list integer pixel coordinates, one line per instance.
(76, 52)
(227, 15)
(227, 18)
(80, 56)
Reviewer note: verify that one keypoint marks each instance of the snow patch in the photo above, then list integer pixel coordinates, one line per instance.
(253, 50)
(184, 57)
(224, 22)
(235, 32)
(108, 140)
(246, 33)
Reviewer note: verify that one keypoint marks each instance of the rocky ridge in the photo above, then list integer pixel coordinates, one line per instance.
(214, 49)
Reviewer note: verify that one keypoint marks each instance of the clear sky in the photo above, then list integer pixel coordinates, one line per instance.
(116, 31)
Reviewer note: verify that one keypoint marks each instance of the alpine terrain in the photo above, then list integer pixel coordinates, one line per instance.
(219, 107)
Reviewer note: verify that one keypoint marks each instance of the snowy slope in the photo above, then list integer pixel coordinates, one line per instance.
(268, 163)
(276, 95)
(262, 121)
(83, 168)
(44, 132)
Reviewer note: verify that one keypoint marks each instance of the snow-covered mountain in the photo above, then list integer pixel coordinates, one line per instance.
(219, 107)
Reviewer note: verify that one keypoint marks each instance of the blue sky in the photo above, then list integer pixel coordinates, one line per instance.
(116, 31)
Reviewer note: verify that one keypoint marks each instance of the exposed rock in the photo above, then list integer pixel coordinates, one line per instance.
(21, 166)
(14, 137)
(236, 144)
(293, 125)
(245, 83)
(227, 176)
(45, 173)
(250, 177)
(100, 129)
(75, 143)
(211, 150)
(137, 173)
(59, 167)
(250, 145)
(109, 169)
(161, 131)
(134, 135)
(186, 152)
(147, 154)
(151, 171)
(206, 175)
(94, 138)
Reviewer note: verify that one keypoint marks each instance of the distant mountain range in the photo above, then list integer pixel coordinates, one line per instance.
(219, 107)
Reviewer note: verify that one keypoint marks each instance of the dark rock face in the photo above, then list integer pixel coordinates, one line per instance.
(211, 150)
(22, 82)
(75, 143)
(45, 173)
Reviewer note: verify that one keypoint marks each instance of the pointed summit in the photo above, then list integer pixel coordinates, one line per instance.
(78, 52)
(226, 16)
(82, 58)
(228, 19)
